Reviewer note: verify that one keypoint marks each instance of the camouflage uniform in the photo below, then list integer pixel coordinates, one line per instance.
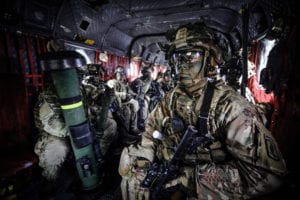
(148, 90)
(52, 146)
(141, 86)
(242, 162)
(97, 97)
(125, 101)
(166, 82)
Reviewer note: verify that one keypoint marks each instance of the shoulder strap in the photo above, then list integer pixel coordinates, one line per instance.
(203, 116)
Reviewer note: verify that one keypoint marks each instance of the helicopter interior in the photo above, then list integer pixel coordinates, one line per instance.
(127, 33)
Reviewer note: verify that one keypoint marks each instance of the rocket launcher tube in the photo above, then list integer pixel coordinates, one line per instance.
(65, 79)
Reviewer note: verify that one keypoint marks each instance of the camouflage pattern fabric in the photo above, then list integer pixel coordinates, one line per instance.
(48, 115)
(249, 162)
(51, 146)
(52, 152)
(133, 171)
(97, 97)
(128, 105)
(167, 84)
(129, 109)
(121, 90)
(145, 84)
(151, 92)
(105, 138)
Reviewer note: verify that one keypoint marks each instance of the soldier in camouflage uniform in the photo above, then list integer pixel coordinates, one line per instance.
(52, 146)
(242, 159)
(97, 98)
(148, 93)
(167, 83)
(124, 107)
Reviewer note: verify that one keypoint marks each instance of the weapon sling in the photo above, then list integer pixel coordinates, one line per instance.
(203, 115)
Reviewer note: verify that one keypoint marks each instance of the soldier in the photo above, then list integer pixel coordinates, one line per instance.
(124, 108)
(159, 76)
(167, 83)
(236, 157)
(148, 93)
(97, 98)
(52, 146)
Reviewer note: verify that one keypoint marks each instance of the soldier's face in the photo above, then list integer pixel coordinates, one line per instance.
(147, 72)
(118, 76)
(189, 62)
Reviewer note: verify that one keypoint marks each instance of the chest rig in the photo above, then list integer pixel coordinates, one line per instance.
(185, 107)
(211, 150)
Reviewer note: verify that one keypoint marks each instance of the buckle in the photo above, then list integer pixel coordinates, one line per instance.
(203, 117)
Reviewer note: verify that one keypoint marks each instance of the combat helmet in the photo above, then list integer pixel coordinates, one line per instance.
(146, 68)
(195, 36)
(92, 69)
(119, 69)
(199, 43)
(96, 70)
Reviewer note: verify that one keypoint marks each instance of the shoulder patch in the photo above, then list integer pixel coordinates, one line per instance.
(271, 148)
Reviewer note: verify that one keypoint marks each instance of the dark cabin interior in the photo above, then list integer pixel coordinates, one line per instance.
(125, 30)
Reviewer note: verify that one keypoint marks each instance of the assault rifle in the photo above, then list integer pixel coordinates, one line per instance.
(158, 175)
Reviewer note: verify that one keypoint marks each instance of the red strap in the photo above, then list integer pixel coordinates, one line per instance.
(97, 56)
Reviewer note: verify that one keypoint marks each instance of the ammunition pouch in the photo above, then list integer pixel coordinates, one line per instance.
(134, 158)
(142, 163)
(81, 135)
(213, 153)
(217, 152)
